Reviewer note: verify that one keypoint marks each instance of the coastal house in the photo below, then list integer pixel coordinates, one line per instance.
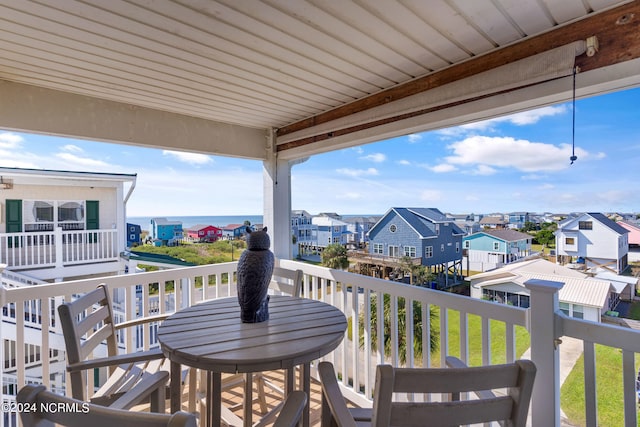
(304, 233)
(242, 88)
(634, 231)
(60, 225)
(581, 296)
(489, 249)
(203, 233)
(492, 221)
(165, 233)
(425, 234)
(518, 219)
(592, 241)
(330, 230)
(134, 232)
(358, 227)
(234, 231)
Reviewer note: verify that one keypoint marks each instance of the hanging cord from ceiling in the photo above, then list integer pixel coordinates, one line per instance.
(573, 157)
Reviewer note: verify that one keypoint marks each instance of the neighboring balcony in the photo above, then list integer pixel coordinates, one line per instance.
(457, 325)
(58, 249)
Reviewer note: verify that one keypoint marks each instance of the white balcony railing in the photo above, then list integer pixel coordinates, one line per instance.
(159, 292)
(57, 248)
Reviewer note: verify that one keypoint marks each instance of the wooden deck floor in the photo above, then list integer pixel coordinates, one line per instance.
(233, 399)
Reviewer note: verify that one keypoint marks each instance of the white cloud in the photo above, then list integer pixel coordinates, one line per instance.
(10, 140)
(375, 157)
(483, 170)
(546, 186)
(414, 137)
(507, 152)
(350, 196)
(72, 148)
(190, 158)
(519, 119)
(430, 195)
(404, 162)
(443, 167)
(85, 162)
(358, 172)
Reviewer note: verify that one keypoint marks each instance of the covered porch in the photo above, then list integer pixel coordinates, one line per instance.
(279, 81)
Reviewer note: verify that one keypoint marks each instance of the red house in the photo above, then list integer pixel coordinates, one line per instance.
(203, 233)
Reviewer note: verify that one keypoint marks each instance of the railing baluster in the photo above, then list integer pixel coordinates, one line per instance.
(590, 401)
(629, 387)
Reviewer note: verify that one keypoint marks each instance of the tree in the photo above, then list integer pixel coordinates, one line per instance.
(335, 256)
(402, 335)
(545, 237)
(529, 226)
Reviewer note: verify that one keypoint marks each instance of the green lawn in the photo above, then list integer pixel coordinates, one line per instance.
(497, 333)
(609, 389)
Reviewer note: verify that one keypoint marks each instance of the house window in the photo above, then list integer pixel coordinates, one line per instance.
(442, 247)
(378, 248)
(437, 229)
(467, 244)
(410, 251)
(564, 307)
(393, 228)
(457, 247)
(394, 251)
(496, 246)
(578, 311)
(585, 225)
(132, 237)
(569, 241)
(428, 252)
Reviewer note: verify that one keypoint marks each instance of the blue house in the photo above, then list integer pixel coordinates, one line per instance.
(359, 227)
(419, 233)
(330, 230)
(490, 249)
(133, 235)
(164, 232)
(518, 219)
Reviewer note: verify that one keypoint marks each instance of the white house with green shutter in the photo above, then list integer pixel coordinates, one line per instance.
(59, 225)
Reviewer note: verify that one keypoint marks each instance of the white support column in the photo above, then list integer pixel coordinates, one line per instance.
(545, 403)
(277, 201)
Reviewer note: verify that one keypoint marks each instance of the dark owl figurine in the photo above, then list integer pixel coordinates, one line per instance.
(255, 268)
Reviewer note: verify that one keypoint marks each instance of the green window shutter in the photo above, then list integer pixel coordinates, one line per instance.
(14, 215)
(93, 214)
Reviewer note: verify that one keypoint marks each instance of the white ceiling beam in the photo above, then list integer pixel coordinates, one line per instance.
(26, 108)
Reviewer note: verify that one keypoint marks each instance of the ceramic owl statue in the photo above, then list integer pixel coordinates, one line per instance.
(255, 268)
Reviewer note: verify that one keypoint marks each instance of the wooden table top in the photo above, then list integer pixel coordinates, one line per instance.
(211, 336)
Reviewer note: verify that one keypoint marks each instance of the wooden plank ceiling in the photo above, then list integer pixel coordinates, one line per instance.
(273, 64)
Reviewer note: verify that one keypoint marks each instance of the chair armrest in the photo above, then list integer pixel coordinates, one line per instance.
(141, 321)
(332, 397)
(141, 356)
(292, 410)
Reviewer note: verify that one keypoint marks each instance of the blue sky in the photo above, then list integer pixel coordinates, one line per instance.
(514, 163)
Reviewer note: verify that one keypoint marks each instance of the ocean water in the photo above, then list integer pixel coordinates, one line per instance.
(190, 221)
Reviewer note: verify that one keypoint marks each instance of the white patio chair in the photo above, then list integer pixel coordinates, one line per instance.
(83, 414)
(86, 324)
(510, 409)
(77, 413)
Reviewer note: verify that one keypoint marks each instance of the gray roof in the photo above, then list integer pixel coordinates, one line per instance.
(609, 223)
(507, 235)
(423, 219)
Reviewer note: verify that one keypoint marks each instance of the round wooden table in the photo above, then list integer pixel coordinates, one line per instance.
(211, 336)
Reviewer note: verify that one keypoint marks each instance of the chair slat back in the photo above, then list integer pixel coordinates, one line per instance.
(517, 378)
(288, 282)
(81, 414)
(86, 323)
